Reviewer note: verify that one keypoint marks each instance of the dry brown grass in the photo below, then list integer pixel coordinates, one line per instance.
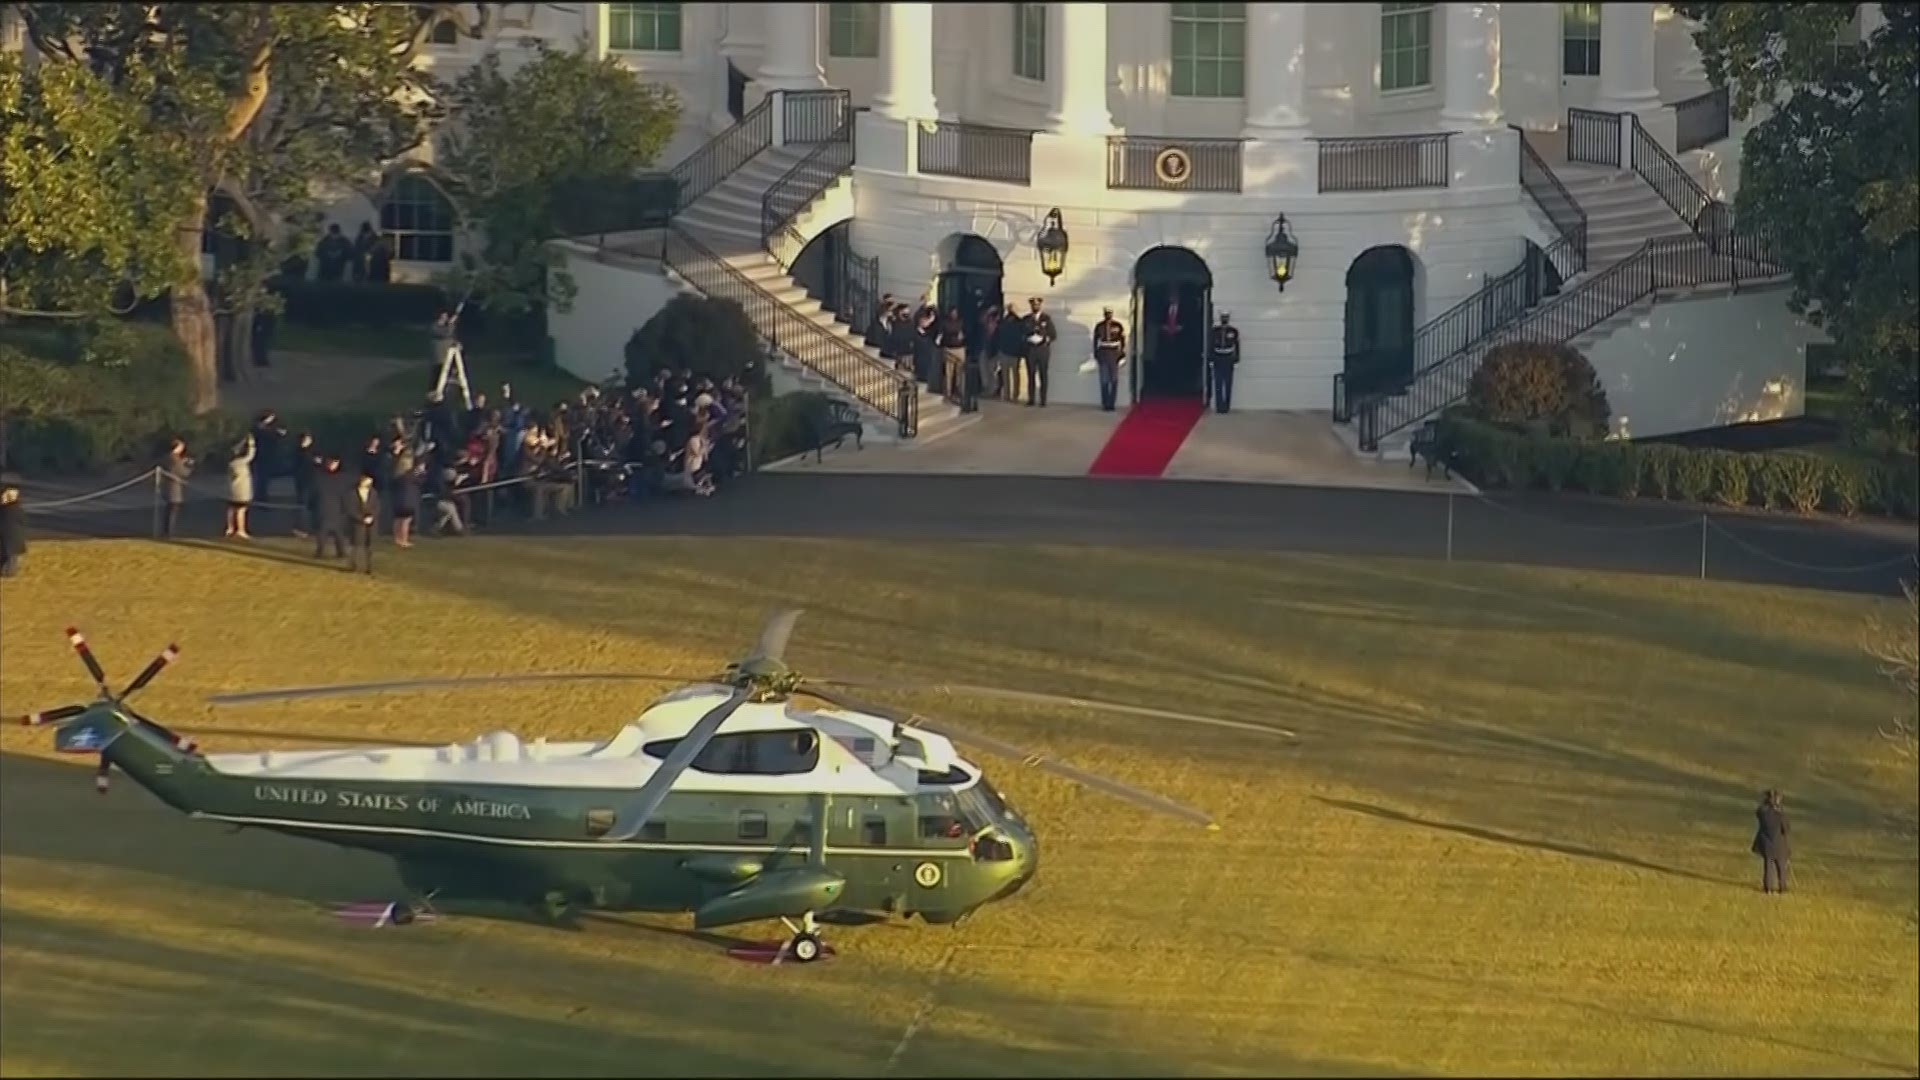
(1510, 838)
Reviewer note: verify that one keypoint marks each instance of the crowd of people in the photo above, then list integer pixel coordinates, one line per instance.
(1002, 352)
(447, 468)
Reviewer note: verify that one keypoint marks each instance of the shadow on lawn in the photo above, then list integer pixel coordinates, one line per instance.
(1491, 836)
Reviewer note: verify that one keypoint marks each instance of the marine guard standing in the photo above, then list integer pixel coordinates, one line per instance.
(1225, 354)
(1040, 338)
(1109, 347)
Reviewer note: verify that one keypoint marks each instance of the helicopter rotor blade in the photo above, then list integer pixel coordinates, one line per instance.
(251, 697)
(52, 716)
(1146, 800)
(775, 635)
(154, 667)
(633, 817)
(1031, 697)
(79, 642)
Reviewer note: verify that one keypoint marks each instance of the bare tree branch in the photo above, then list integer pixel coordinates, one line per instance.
(1895, 643)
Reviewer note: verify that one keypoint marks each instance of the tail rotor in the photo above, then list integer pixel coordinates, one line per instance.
(82, 729)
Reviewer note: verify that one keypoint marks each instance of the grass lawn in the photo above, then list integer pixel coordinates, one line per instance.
(1509, 837)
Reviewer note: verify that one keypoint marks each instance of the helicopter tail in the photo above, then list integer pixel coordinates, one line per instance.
(102, 727)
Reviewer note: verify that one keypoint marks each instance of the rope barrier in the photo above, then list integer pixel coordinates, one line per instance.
(40, 506)
(1690, 523)
(1862, 568)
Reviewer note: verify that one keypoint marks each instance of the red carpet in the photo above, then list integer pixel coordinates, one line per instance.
(1145, 442)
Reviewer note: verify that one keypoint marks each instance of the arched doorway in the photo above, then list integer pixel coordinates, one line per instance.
(970, 274)
(1172, 307)
(827, 269)
(1379, 337)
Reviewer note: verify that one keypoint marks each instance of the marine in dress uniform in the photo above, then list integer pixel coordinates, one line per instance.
(1225, 349)
(1109, 345)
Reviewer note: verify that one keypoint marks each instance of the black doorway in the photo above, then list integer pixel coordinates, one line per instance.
(971, 282)
(1172, 307)
(1379, 334)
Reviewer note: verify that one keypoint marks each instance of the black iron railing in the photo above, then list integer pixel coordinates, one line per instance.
(1341, 410)
(975, 151)
(1702, 120)
(1138, 163)
(798, 187)
(1556, 202)
(705, 168)
(1667, 263)
(832, 356)
(1386, 162)
(1593, 138)
(811, 116)
(1671, 181)
(858, 301)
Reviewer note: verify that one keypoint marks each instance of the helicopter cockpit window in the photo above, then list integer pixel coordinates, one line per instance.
(752, 753)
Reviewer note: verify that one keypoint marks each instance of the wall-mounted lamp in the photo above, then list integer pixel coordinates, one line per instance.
(1282, 250)
(1052, 245)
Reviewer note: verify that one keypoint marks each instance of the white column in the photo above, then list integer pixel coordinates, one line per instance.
(792, 57)
(905, 91)
(1079, 69)
(1626, 59)
(1276, 71)
(1473, 63)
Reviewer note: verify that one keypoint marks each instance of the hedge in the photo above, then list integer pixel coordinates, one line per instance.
(391, 305)
(1500, 458)
(783, 426)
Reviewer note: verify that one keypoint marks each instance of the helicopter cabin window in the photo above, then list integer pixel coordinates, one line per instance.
(940, 817)
(873, 831)
(599, 822)
(953, 777)
(653, 830)
(753, 825)
(752, 753)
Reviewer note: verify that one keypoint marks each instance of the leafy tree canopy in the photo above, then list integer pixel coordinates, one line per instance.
(525, 145)
(1830, 175)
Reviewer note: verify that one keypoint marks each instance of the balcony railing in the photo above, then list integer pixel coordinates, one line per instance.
(813, 116)
(1669, 180)
(1593, 138)
(976, 152)
(1135, 163)
(1702, 120)
(705, 168)
(796, 190)
(1386, 162)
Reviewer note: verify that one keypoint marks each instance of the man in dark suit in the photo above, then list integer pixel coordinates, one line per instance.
(330, 489)
(1040, 338)
(1770, 843)
(362, 511)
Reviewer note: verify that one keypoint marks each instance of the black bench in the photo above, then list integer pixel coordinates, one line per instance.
(833, 423)
(1425, 445)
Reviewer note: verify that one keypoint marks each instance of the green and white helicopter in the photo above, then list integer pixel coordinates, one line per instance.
(757, 794)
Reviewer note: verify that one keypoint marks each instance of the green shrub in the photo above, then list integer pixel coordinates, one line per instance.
(783, 426)
(382, 305)
(1732, 476)
(1792, 481)
(1608, 468)
(1849, 491)
(1692, 475)
(1893, 485)
(1553, 460)
(82, 396)
(1540, 386)
(1657, 465)
(711, 337)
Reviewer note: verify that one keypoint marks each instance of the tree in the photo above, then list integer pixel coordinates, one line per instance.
(1895, 643)
(271, 107)
(1829, 176)
(1541, 385)
(527, 148)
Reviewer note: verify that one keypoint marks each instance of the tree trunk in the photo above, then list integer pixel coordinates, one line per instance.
(239, 345)
(193, 315)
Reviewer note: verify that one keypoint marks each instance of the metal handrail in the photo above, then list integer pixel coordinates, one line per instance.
(1537, 179)
(872, 381)
(1671, 181)
(1658, 265)
(796, 188)
(708, 167)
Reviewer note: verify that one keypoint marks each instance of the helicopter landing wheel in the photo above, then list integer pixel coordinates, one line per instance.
(805, 947)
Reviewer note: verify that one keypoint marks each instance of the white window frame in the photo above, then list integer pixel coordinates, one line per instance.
(862, 26)
(1030, 42)
(1410, 15)
(1592, 56)
(399, 237)
(1219, 61)
(657, 12)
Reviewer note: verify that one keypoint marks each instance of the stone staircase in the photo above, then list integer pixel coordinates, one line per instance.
(727, 220)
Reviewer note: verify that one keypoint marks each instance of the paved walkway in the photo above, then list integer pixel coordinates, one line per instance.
(1063, 440)
(1563, 531)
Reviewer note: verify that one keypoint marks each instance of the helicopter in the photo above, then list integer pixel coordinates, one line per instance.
(753, 795)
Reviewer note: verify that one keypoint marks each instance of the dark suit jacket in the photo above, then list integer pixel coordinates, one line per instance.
(353, 512)
(330, 493)
(1770, 841)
